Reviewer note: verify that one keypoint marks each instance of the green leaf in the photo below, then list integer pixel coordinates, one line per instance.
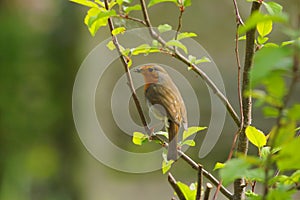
(234, 168)
(85, 3)
(163, 133)
(139, 138)
(265, 152)
(284, 135)
(186, 35)
(273, 7)
(164, 28)
(110, 45)
(256, 136)
(144, 49)
(118, 30)
(204, 59)
(187, 3)
(257, 17)
(288, 157)
(153, 2)
(166, 164)
(264, 27)
(100, 3)
(242, 38)
(256, 174)
(280, 194)
(268, 59)
(270, 112)
(294, 112)
(189, 192)
(178, 44)
(189, 143)
(252, 196)
(191, 130)
(261, 40)
(132, 8)
(219, 165)
(275, 85)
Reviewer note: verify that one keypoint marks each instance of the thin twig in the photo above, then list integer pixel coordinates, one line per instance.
(179, 22)
(207, 191)
(237, 14)
(183, 59)
(128, 75)
(200, 180)
(132, 19)
(174, 185)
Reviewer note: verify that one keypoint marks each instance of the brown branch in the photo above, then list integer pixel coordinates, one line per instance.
(246, 101)
(207, 191)
(174, 185)
(132, 19)
(124, 61)
(200, 180)
(239, 20)
(183, 59)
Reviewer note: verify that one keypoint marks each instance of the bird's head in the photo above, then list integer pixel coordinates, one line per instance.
(152, 73)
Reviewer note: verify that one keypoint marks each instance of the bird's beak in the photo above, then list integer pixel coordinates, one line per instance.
(138, 70)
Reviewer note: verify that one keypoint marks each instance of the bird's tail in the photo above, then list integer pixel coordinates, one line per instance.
(172, 150)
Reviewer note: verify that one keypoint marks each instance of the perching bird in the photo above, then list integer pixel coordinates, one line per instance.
(165, 101)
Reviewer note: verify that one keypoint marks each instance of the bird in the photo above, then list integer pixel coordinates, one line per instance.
(165, 102)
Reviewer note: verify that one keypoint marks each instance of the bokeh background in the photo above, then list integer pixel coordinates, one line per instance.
(42, 44)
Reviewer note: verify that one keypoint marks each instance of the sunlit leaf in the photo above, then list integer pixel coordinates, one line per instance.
(110, 45)
(163, 133)
(273, 7)
(270, 112)
(189, 143)
(178, 44)
(219, 165)
(188, 191)
(164, 28)
(294, 112)
(187, 3)
(256, 136)
(185, 35)
(191, 130)
(153, 2)
(118, 30)
(166, 164)
(262, 40)
(139, 138)
(264, 28)
(204, 59)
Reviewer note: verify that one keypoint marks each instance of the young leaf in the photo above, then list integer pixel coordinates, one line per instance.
(153, 2)
(185, 35)
(85, 3)
(191, 130)
(273, 7)
(164, 28)
(166, 164)
(219, 165)
(186, 3)
(132, 8)
(264, 28)
(163, 133)
(139, 138)
(118, 30)
(190, 143)
(256, 136)
(177, 43)
(188, 192)
(204, 59)
(262, 40)
(110, 45)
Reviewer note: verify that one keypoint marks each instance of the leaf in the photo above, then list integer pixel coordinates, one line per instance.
(188, 192)
(166, 164)
(118, 30)
(284, 135)
(191, 130)
(110, 45)
(139, 138)
(257, 17)
(262, 40)
(264, 28)
(181, 36)
(294, 112)
(219, 165)
(280, 194)
(234, 168)
(204, 59)
(144, 49)
(85, 3)
(288, 157)
(164, 28)
(132, 8)
(187, 3)
(256, 136)
(163, 133)
(242, 38)
(273, 7)
(189, 143)
(270, 112)
(153, 2)
(268, 59)
(177, 43)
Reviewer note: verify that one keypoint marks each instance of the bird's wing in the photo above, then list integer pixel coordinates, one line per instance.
(168, 99)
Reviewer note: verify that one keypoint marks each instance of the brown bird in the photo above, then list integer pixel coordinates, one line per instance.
(165, 102)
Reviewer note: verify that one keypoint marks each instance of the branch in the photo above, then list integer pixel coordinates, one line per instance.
(207, 191)
(246, 100)
(199, 185)
(128, 75)
(183, 59)
(174, 185)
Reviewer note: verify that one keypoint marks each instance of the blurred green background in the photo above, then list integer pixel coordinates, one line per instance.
(42, 44)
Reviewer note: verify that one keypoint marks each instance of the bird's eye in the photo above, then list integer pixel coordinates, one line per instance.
(150, 69)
